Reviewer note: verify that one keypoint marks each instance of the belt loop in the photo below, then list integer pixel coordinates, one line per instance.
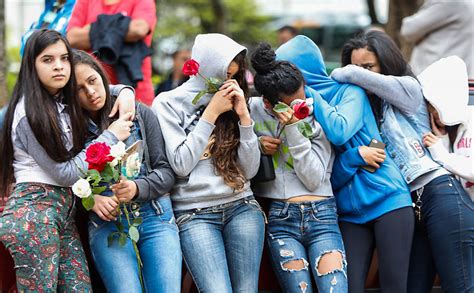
(284, 211)
(314, 206)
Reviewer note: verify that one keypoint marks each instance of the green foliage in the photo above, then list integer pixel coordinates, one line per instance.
(281, 107)
(184, 19)
(88, 202)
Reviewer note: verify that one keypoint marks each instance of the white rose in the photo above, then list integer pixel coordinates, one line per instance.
(133, 165)
(113, 163)
(118, 150)
(82, 188)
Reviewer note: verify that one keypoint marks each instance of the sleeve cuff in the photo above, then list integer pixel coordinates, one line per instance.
(354, 154)
(438, 152)
(116, 89)
(204, 127)
(108, 137)
(246, 132)
(294, 136)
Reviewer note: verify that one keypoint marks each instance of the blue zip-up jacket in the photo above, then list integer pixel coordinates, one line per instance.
(344, 112)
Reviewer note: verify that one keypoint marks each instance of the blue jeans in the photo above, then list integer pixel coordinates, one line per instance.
(305, 231)
(158, 245)
(444, 239)
(222, 245)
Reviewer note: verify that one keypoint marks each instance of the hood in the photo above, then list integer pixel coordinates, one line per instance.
(305, 54)
(214, 53)
(445, 86)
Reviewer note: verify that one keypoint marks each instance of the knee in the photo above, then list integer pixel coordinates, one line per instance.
(295, 265)
(330, 262)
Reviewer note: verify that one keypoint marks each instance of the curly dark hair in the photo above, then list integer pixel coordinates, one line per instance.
(274, 78)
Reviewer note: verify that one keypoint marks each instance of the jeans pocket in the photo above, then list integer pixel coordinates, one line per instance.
(254, 203)
(465, 198)
(183, 218)
(325, 215)
(164, 211)
(277, 214)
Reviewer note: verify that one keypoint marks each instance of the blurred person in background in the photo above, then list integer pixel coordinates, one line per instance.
(133, 21)
(55, 16)
(440, 29)
(176, 76)
(286, 33)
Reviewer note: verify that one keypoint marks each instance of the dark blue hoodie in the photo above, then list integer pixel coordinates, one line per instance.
(344, 112)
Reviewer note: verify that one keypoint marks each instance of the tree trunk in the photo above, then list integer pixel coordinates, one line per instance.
(398, 9)
(220, 13)
(372, 13)
(3, 56)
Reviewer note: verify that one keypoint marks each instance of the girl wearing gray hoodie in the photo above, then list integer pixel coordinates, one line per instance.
(214, 152)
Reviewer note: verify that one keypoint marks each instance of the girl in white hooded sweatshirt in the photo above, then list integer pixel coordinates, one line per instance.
(214, 152)
(450, 143)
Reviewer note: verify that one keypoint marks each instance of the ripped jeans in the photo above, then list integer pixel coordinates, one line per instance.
(158, 245)
(306, 232)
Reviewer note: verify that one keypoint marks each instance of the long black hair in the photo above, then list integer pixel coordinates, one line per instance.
(389, 57)
(41, 110)
(274, 78)
(82, 58)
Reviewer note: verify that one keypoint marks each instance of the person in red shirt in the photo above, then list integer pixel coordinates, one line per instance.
(143, 15)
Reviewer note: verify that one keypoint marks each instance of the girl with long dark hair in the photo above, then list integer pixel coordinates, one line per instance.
(214, 152)
(146, 196)
(44, 133)
(444, 215)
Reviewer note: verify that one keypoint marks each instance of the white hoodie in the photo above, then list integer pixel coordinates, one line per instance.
(445, 86)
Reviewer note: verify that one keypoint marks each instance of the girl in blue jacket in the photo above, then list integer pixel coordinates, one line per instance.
(374, 208)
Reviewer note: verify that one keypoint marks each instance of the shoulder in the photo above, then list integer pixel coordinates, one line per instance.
(19, 113)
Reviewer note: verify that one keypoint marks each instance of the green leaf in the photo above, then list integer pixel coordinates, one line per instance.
(122, 239)
(98, 189)
(213, 85)
(198, 96)
(133, 233)
(119, 226)
(88, 202)
(281, 107)
(94, 175)
(107, 173)
(305, 129)
(137, 222)
(116, 176)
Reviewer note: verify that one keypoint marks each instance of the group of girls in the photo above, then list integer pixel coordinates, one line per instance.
(326, 214)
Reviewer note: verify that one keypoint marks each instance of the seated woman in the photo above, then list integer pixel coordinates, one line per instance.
(214, 152)
(147, 197)
(303, 234)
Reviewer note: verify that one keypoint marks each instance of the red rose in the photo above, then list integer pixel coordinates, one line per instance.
(301, 110)
(190, 67)
(97, 155)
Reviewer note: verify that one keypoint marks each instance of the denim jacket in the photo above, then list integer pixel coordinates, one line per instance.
(403, 134)
(156, 177)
